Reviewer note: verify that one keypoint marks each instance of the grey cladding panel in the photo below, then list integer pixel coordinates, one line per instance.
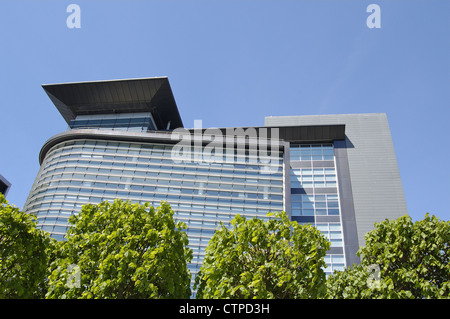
(375, 178)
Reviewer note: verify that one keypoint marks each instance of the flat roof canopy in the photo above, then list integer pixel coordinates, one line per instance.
(117, 96)
(296, 134)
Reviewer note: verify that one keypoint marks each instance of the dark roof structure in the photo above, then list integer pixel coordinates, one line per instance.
(117, 96)
(296, 134)
(152, 95)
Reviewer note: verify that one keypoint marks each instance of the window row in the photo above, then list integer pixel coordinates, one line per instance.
(214, 182)
(314, 212)
(309, 178)
(121, 122)
(44, 219)
(215, 205)
(191, 223)
(221, 204)
(305, 198)
(190, 188)
(183, 211)
(312, 171)
(50, 160)
(98, 146)
(197, 241)
(85, 197)
(308, 152)
(154, 169)
(176, 186)
(334, 263)
(315, 205)
(187, 188)
(333, 232)
(228, 155)
(54, 229)
(313, 184)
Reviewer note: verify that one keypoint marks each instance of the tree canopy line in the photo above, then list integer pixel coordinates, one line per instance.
(125, 250)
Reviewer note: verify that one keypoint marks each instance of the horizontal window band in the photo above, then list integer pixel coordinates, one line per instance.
(312, 191)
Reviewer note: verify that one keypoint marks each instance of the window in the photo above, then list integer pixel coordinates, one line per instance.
(312, 152)
(310, 178)
(334, 262)
(333, 232)
(321, 205)
(120, 121)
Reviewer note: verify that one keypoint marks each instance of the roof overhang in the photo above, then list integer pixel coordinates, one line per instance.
(117, 96)
(291, 134)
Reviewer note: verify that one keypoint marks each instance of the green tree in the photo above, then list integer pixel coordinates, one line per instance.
(24, 254)
(401, 259)
(258, 259)
(122, 250)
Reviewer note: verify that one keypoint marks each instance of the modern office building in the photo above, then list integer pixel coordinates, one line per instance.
(126, 140)
(4, 185)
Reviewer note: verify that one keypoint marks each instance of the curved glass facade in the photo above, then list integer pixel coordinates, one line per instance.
(201, 194)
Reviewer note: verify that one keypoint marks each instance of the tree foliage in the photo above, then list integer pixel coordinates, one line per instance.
(257, 259)
(122, 250)
(24, 254)
(412, 259)
(125, 250)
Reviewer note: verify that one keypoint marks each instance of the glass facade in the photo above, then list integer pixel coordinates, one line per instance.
(312, 152)
(137, 160)
(139, 122)
(315, 198)
(310, 178)
(202, 194)
(312, 205)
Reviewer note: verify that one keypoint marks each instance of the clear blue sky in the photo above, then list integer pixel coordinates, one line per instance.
(232, 63)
